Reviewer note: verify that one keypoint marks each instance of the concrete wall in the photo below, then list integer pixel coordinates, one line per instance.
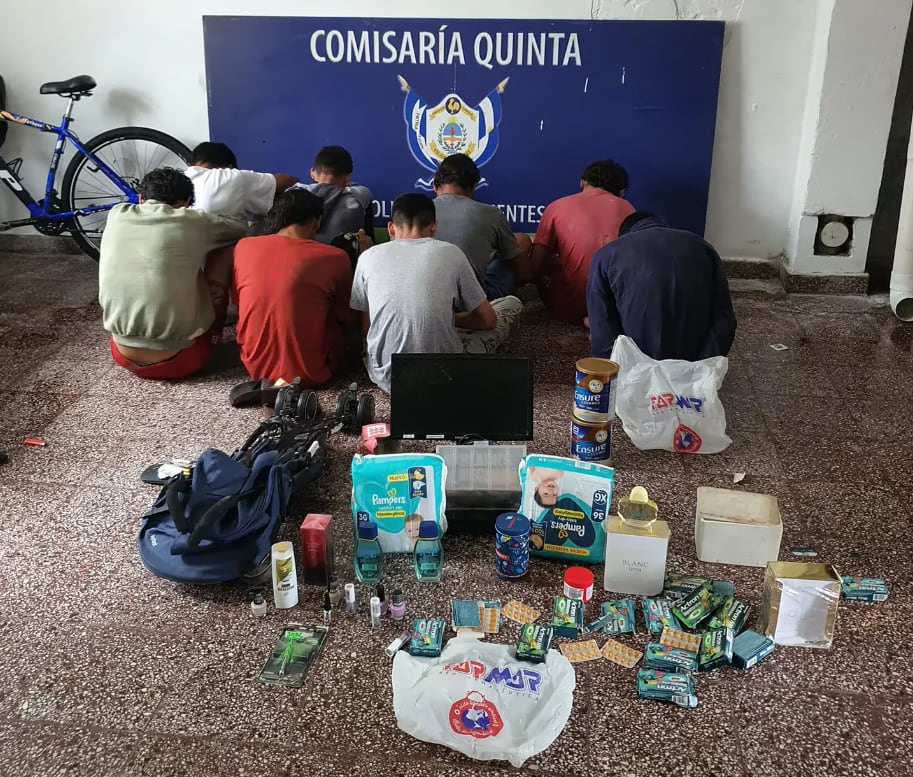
(851, 88)
(148, 60)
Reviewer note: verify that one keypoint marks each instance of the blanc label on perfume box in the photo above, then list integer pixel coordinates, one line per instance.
(635, 562)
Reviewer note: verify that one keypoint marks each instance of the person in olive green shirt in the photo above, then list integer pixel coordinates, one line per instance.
(163, 278)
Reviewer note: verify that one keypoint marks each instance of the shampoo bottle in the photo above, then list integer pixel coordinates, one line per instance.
(285, 576)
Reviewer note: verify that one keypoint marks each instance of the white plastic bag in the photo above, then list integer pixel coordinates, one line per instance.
(672, 405)
(478, 699)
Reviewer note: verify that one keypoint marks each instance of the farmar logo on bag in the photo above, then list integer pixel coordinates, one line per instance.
(475, 716)
(666, 400)
(686, 440)
(515, 678)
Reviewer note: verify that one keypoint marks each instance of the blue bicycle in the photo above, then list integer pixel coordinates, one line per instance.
(105, 171)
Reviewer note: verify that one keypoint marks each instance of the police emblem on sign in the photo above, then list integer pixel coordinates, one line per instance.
(435, 132)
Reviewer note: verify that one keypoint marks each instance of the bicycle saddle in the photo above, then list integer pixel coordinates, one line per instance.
(75, 85)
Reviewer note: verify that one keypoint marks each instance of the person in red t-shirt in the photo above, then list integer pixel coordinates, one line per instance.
(293, 295)
(574, 228)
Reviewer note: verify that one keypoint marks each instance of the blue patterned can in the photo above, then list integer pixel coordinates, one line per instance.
(511, 546)
(594, 399)
(591, 441)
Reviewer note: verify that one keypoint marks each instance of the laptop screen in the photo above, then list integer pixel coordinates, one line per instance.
(455, 396)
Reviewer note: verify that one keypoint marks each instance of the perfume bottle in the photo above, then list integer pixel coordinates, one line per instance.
(636, 510)
(428, 556)
(369, 557)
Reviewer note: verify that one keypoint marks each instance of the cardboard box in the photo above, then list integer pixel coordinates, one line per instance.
(635, 559)
(737, 527)
(799, 604)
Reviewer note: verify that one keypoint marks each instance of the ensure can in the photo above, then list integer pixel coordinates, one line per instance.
(594, 399)
(511, 545)
(591, 441)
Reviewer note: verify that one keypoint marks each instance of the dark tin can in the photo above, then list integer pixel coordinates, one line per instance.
(511, 545)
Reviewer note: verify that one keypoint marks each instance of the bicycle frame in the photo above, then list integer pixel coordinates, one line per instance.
(43, 211)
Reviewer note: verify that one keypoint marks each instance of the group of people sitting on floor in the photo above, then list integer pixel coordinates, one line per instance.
(301, 264)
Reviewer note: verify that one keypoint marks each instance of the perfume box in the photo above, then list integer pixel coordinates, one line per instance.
(317, 548)
(635, 559)
(737, 527)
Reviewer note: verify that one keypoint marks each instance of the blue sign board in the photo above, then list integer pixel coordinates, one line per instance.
(531, 101)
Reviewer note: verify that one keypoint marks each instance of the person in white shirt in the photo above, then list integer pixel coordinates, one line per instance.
(220, 187)
(421, 295)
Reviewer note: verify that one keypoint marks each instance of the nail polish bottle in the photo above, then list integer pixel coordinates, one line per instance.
(375, 612)
(397, 604)
(258, 605)
(350, 598)
(380, 594)
(335, 591)
(327, 608)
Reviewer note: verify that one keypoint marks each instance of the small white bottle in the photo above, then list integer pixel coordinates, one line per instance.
(285, 576)
(258, 606)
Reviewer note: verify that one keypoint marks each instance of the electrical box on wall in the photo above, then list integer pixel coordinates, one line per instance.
(834, 236)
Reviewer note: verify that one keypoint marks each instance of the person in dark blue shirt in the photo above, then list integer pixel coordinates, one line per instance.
(664, 288)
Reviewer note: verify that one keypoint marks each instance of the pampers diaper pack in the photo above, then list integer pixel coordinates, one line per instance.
(567, 502)
(398, 492)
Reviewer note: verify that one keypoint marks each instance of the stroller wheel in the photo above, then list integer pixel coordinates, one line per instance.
(342, 404)
(283, 398)
(364, 411)
(307, 406)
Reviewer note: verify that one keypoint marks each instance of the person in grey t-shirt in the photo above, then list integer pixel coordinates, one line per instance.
(347, 207)
(414, 292)
(498, 256)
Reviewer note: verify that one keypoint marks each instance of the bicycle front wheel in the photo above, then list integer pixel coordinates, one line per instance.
(131, 152)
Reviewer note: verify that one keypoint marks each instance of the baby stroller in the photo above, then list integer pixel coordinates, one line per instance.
(216, 521)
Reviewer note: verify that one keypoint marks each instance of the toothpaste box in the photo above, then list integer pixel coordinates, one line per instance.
(658, 615)
(619, 615)
(534, 642)
(864, 589)
(697, 606)
(669, 659)
(716, 649)
(750, 647)
(677, 586)
(675, 687)
(427, 637)
(567, 617)
(731, 615)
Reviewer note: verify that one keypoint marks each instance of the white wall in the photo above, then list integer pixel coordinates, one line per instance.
(852, 84)
(148, 61)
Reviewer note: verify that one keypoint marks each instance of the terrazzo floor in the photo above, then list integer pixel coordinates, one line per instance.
(105, 670)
